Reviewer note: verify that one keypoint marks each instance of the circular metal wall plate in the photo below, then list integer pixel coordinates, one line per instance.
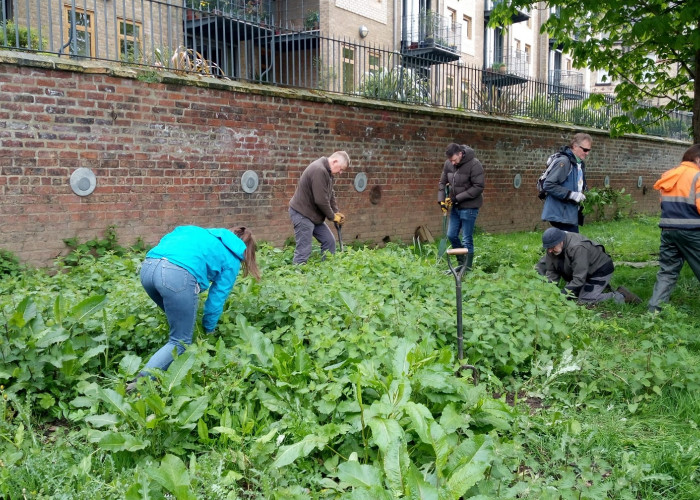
(83, 181)
(360, 182)
(517, 181)
(249, 181)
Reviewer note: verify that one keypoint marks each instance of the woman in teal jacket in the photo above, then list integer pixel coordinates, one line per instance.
(187, 261)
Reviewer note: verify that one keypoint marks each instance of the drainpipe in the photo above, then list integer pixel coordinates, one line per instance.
(395, 22)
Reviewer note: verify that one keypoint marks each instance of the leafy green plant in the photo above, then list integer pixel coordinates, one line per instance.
(312, 20)
(95, 247)
(397, 84)
(13, 36)
(607, 203)
(589, 117)
(337, 380)
(9, 263)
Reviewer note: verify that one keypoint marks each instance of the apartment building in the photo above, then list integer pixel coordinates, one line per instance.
(285, 41)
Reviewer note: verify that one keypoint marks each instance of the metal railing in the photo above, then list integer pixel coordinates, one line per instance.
(224, 41)
(516, 62)
(428, 28)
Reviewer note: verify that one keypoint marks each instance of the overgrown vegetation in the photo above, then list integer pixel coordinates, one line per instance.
(336, 380)
(9, 263)
(397, 84)
(97, 247)
(607, 204)
(13, 36)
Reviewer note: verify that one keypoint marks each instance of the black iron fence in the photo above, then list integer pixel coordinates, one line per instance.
(255, 41)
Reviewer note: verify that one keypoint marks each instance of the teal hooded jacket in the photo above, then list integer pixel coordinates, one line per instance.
(212, 255)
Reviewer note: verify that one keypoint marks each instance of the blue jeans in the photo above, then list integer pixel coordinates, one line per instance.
(304, 230)
(174, 290)
(463, 219)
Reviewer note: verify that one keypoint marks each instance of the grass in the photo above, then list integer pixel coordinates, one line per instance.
(618, 419)
(649, 442)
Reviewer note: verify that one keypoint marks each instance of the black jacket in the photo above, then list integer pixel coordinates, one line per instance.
(466, 180)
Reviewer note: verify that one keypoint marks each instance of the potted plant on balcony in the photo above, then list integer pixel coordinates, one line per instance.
(499, 67)
(312, 21)
(430, 19)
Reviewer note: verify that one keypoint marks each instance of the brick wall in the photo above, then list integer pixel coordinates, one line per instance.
(173, 153)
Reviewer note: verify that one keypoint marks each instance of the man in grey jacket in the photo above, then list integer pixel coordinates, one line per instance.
(314, 202)
(583, 264)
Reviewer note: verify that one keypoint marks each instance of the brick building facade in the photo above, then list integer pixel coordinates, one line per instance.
(174, 152)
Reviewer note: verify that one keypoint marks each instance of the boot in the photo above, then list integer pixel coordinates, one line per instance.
(630, 298)
(461, 260)
(470, 260)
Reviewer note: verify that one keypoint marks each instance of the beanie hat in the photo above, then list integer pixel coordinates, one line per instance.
(552, 237)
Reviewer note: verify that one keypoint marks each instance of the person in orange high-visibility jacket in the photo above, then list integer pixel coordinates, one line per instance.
(680, 225)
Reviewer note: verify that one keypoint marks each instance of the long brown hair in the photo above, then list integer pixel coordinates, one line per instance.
(250, 265)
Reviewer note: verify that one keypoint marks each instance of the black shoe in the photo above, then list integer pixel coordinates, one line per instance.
(630, 297)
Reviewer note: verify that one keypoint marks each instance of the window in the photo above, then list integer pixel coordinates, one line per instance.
(453, 18)
(602, 77)
(466, 90)
(468, 26)
(80, 32)
(375, 62)
(348, 69)
(7, 10)
(517, 46)
(528, 51)
(129, 41)
(568, 64)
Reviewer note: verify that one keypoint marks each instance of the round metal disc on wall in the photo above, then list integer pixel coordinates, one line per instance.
(360, 182)
(249, 181)
(517, 181)
(83, 181)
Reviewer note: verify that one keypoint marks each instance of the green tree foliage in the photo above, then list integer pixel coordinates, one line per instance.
(650, 47)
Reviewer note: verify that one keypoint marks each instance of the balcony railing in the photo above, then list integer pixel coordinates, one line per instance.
(515, 63)
(566, 78)
(429, 29)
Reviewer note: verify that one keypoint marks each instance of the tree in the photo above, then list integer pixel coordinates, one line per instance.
(651, 47)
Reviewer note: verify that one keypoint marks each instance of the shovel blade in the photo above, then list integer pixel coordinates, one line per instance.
(442, 247)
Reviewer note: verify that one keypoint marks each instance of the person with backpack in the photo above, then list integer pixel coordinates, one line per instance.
(565, 183)
(465, 176)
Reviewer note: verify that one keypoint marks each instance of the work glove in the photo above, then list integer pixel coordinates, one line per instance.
(339, 218)
(444, 207)
(576, 196)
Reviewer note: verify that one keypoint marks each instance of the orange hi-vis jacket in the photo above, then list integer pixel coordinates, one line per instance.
(680, 197)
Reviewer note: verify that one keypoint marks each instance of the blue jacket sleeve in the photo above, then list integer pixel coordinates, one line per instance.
(218, 293)
(554, 183)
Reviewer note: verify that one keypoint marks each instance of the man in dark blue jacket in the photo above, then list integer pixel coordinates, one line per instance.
(565, 185)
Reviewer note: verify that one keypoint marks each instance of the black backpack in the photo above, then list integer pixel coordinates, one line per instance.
(551, 161)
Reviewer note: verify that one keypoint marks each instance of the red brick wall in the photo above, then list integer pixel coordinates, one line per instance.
(173, 153)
